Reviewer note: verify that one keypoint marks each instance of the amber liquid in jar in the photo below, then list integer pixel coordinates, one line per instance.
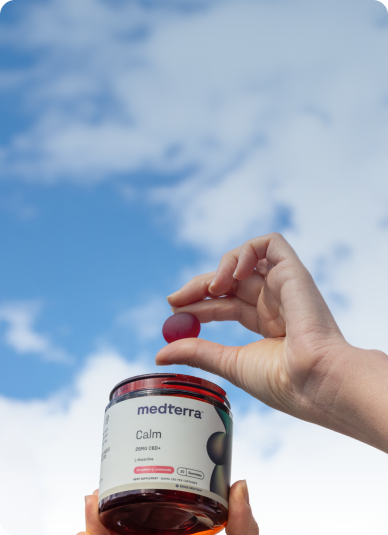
(165, 511)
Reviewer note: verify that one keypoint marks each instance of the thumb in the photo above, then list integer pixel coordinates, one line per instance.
(241, 521)
(93, 525)
(215, 358)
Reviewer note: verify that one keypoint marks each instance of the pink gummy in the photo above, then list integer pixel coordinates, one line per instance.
(181, 325)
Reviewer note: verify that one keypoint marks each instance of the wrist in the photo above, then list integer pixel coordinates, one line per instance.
(348, 394)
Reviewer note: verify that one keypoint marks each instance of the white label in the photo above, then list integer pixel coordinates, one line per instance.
(166, 442)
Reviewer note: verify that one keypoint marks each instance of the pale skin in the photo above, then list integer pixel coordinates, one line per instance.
(303, 366)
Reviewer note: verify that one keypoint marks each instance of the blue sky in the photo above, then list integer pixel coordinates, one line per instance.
(84, 258)
(139, 141)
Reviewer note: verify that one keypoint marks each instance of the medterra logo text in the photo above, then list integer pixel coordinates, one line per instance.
(170, 409)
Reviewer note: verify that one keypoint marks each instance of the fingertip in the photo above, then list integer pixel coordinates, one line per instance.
(194, 352)
(237, 277)
(172, 353)
(211, 285)
(243, 272)
(93, 524)
(241, 519)
(239, 492)
(245, 491)
(223, 279)
(90, 504)
(160, 357)
(172, 298)
(162, 363)
(89, 508)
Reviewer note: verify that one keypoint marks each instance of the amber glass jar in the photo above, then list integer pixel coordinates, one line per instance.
(166, 456)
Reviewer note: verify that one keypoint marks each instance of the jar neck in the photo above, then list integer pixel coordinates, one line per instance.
(169, 382)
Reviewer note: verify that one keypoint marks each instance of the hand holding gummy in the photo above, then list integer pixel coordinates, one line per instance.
(179, 326)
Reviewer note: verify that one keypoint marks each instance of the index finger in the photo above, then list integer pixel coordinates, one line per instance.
(195, 290)
(240, 263)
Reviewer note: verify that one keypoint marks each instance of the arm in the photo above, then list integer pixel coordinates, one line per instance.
(303, 366)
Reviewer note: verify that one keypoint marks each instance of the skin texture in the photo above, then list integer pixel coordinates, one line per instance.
(303, 366)
(241, 521)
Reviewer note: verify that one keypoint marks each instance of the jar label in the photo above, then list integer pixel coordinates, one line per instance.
(166, 442)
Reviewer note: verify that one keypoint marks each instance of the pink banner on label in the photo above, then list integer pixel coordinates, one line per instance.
(154, 470)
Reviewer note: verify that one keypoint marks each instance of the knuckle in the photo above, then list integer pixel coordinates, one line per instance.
(248, 245)
(249, 248)
(276, 236)
(226, 257)
(229, 359)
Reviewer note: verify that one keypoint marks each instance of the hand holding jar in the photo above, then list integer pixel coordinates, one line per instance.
(241, 521)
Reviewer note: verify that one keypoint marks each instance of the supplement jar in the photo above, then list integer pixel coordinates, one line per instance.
(166, 456)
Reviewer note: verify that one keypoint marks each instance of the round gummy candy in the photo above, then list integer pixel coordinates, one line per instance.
(181, 325)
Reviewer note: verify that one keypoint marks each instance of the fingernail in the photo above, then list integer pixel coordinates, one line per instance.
(86, 497)
(211, 285)
(234, 274)
(173, 309)
(246, 492)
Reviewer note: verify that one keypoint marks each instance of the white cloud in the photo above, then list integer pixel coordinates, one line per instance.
(303, 480)
(21, 336)
(281, 111)
(145, 320)
(163, 89)
(216, 216)
(318, 171)
(315, 482)
(51, 450)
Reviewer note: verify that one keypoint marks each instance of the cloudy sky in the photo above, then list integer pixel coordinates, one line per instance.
(139, 141)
